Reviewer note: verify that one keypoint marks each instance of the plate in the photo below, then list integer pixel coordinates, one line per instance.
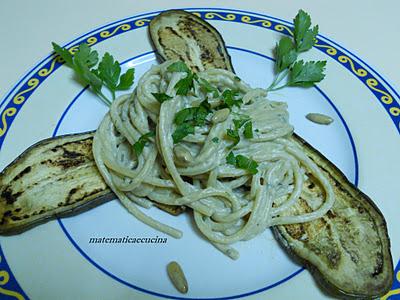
(61, 260)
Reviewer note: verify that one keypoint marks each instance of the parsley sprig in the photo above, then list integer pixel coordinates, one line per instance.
(297, 72)
(108, 72)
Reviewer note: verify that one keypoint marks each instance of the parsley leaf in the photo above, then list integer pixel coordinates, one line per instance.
(161, 97)
(194, 115)
(231, 159)
(306, 74)
(248, 130)
(86, 56)
(240, 122)
(242, 162)
(107, 74)
(181, 131)
(184, 85)
(206, 87)
(303, 35)
(64, 54)
(109, 71)
(285, 54)
(126, 80)
(142, 141)
(230, 99)
(88, 76)
(215, 140)
(233, 134)
(178, 66)
(188, 118)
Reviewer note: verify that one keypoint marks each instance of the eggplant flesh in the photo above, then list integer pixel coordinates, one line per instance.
(347, 250)
(56, 177)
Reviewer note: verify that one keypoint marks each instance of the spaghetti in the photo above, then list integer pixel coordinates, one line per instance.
(230, 204)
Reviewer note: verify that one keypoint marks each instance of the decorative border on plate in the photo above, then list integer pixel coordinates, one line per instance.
(9, 287)
(394, 293)
(374, 83)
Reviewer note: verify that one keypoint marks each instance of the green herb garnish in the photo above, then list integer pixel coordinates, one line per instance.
(248, 130)
(206, 87)
(161, 97)
(233, 134)
(242, 162)
(297, 73)
(231, 159)
(195, 115)
(304, 36)
(305, 74)
(142, 141)
(107, 74)
(215, 140)
(178, 66)
(285, 54)
(184, 85)
(240, 122)
(230, 99)
(181, 132)
(187, 118)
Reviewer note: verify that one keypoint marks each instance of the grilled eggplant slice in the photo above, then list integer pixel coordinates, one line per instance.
(53, 178)
(348, 250)
(179, 35)
(56, 177)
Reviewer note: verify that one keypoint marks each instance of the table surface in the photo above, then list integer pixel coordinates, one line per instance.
(367, 28)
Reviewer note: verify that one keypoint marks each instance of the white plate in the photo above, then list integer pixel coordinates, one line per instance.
(56, 260)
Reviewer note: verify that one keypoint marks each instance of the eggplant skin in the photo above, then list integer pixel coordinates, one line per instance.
(179, 35)
(347, 250)
(56, 177)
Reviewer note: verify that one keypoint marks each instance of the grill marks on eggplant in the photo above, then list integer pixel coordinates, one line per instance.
(23, 172)
(168, 39)
(348, 250)
(351, 238)
(210, 52)
(188, 38)
(54, 177)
